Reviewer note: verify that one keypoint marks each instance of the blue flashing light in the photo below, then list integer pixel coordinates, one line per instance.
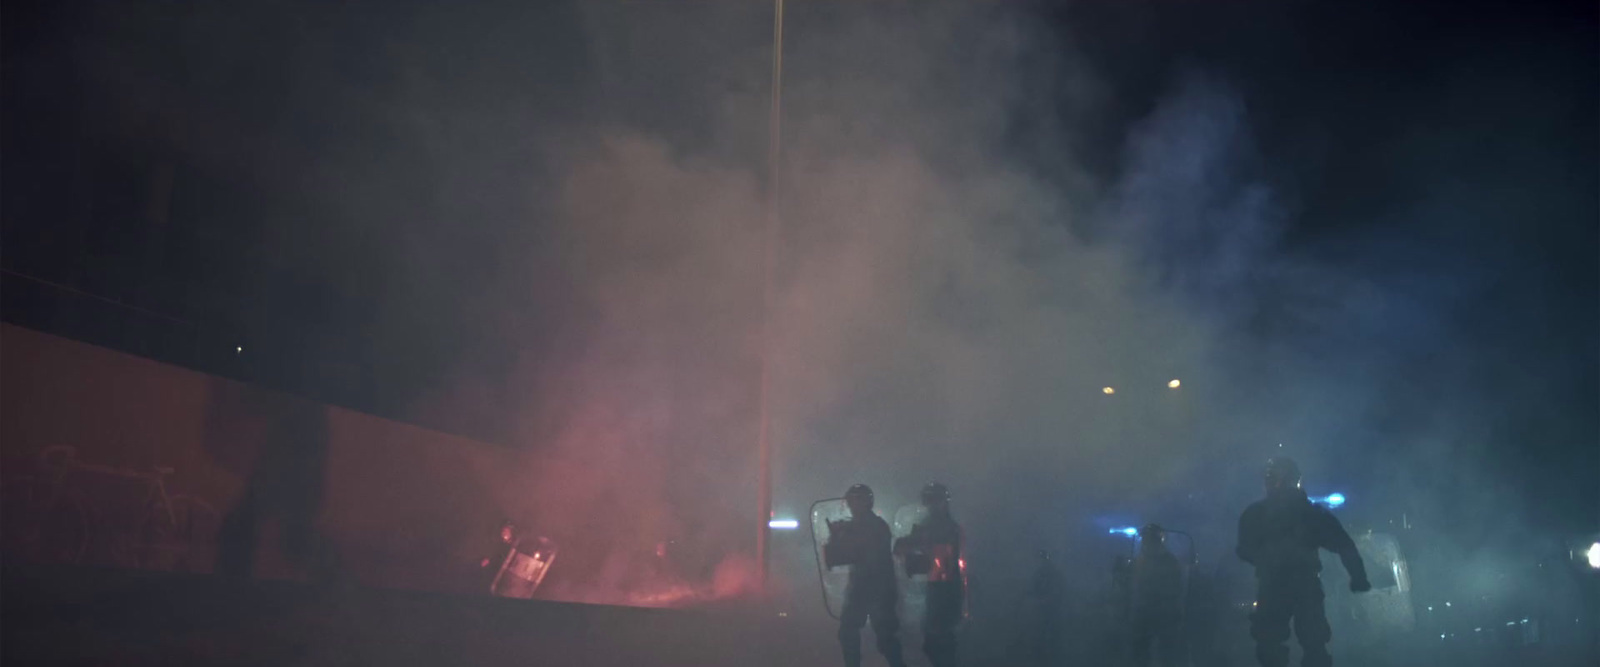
(1126, 532)
(783, 524)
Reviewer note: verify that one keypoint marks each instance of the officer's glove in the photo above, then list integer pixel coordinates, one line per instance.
(1360, 585)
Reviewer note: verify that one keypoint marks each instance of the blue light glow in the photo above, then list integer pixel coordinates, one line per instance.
(1331, 500)
(783, 524)
(1127, 532)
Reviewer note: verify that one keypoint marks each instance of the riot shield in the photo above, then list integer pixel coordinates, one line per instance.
(1385, 612)
(524, 567)
(913, 587)
(831, 579)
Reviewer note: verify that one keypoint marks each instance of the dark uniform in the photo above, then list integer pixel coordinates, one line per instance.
(1156, 610)
(863, 543)
(1045, 600)
(934, 548)
(1118, 640)
(1280, 536)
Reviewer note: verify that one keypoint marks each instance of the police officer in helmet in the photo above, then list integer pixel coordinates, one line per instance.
(1156, 607)
(934, 548)
(862, 542)
(1280, 536)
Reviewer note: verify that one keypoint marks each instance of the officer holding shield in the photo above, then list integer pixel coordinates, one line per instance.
(862, 542)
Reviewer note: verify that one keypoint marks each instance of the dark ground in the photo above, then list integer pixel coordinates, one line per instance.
(102, 617)
(81, 616)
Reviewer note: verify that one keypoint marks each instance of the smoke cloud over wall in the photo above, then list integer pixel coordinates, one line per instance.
(1365, 231)
(954, 287)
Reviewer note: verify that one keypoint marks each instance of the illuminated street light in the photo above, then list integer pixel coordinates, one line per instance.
(1174, 384)
(1332, 500)
(1108, 390)
(1594, 555)
(783, 524)
(1125, 532)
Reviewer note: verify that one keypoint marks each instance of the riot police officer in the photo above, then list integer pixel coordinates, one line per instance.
(1119, 610)
(1156, 607)
(934, 549)
(1043, 613)
(862, 542)
(1280, 536)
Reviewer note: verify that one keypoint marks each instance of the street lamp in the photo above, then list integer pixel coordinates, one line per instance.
(1108, 390)
(764, 428)
(1174, 384)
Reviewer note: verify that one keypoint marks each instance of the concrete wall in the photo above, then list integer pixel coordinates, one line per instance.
(400, 506)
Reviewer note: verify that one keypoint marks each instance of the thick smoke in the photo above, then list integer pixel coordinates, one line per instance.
(552, 215)
(937, 313)
(954, 287)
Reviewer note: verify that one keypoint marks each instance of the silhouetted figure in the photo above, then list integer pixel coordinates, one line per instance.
(862, 542)
(1204, 606)
(1043, 612)
(286, 484)
(934, 548)
(1280, 536)
(1156, 609)
(1116, 641)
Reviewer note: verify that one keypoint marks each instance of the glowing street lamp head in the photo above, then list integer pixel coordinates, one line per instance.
(1174, 384)
(1334, 499)
(1108, 390)
(1126, 531)
(1593, 555)
(783, 524)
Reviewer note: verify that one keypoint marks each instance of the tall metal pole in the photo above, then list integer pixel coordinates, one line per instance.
(764, 438)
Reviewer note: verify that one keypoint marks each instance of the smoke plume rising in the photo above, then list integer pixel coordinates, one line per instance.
(954, 287)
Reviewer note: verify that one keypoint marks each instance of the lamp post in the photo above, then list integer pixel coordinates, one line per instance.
(764, 434)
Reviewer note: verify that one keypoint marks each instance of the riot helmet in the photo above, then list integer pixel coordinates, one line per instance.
(1152, 536)
(1282, 474)
(859, 499)
(935, 494)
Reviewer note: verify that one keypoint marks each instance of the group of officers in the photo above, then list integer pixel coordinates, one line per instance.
(933, 548)
(1279, 535)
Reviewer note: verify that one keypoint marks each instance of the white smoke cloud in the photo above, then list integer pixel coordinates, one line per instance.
(953, 289)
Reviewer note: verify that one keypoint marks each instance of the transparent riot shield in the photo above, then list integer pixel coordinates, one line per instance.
(831, 577)
(1181, 544)
(1384, 613)
(913, 587)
